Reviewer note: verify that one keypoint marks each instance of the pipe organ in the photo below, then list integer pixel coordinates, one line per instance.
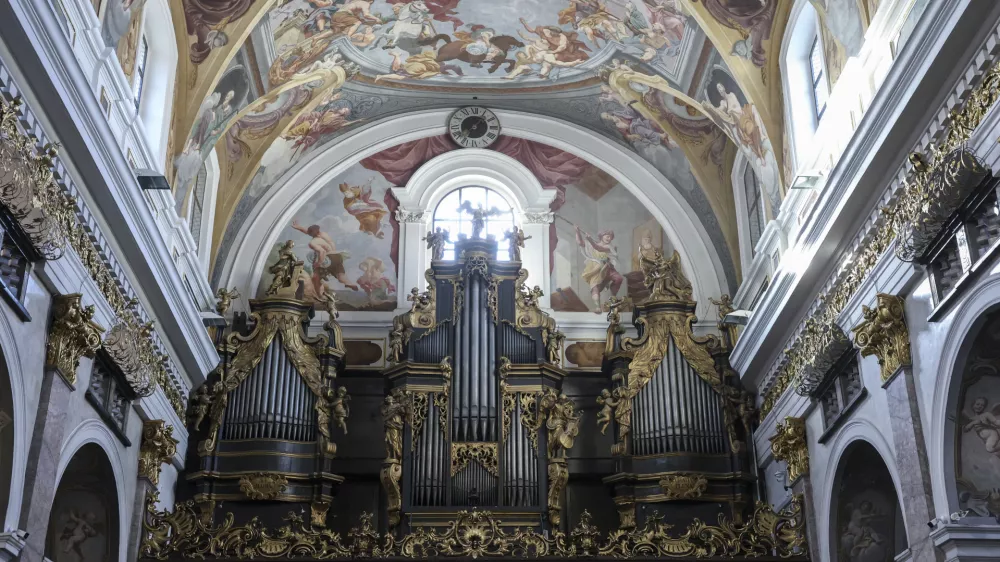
(265, 418)
(681, 421)
(473, 416)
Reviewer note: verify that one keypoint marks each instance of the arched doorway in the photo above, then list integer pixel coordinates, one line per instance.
(83, 524)
(976, 425)
(866, 521)
(7, 432)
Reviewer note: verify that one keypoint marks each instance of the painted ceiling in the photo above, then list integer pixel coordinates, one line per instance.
(686, 84)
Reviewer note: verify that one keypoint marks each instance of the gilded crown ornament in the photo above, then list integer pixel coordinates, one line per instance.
(683, 486)
(72, 335)
(158, 448)
(789, 444)
(883, 333)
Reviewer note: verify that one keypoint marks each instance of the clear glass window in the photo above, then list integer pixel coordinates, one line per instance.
(755, 206)
(818, 77)
(198, 205)
(141, 56)
(448, 216)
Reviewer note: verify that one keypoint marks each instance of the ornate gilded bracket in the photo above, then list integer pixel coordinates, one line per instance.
(883, 333)
(73, 334)
(789, 444)
(263, 485)
(824, 344)
(683, 486)
(158, 448)
(527, 313)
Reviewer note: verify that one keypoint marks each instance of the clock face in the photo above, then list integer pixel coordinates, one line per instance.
(474, 127)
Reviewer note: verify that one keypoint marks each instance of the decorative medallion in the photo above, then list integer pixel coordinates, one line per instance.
(263, 486)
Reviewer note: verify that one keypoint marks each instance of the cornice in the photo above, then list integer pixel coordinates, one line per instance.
(35, 38)
(893, 117)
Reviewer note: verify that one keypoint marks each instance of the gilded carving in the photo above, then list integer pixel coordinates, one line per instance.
(263, 486)
(398, 338)
(224, 299)
(626, 512)
(73, 334)
(302, 352)
(317, 513)
(789, 444)
(394, 412)
(158, 447)
(198, 406)
(418, 410)
(683, 486)
(516, 239)
(553, 339)
(477, 534)
(562, 422)
(883, 333)
(124, 345)
(485, 454)
(340, 404)
(527, 314)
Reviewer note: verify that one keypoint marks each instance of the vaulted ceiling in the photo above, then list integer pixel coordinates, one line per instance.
(266, 84)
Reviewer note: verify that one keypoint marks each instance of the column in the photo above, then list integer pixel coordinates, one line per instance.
(72, 335)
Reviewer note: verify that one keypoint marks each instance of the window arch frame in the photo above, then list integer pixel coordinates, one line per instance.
(490, 197)
(155, 96)
(801, 119)
(747, 245)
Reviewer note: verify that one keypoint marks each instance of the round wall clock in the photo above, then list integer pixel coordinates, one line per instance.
(474, 127)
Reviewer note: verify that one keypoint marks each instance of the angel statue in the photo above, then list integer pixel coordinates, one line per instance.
(340, 408)
(435, 243)
(563, 425)
(225, 301)
(607, 405)
(479, 216)
(516, 238)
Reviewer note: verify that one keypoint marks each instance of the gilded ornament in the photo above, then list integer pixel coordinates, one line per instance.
(263, 486)
(198, 406)
(224, 300)
(394, 412)
(515, 239)
(905, 209)
(158, 448)
(418, 410)
(182, 533)
(527, 313)
(553, 340)
(317, 513)
(683, 486)
(626, 512)
(883, 333)
(73, 334)
(286, 271)
(789, 444)
(340, 404)
(125, 345)
(485, 454)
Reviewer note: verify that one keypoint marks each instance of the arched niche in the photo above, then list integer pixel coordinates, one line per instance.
(866, 522)
(7, 433)
(84, 522)
(972, 435)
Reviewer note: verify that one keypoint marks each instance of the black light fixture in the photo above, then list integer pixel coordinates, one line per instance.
(151, 179)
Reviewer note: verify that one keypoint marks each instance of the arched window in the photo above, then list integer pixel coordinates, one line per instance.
(820, 91)
(805, 82)
(196, 210)
(755, 206)
(156, 65)
(450, 217)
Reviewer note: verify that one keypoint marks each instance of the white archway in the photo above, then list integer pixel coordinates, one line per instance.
(824, 476)
(96, 431)
(21, 424)
(967, 318)
(260, 230)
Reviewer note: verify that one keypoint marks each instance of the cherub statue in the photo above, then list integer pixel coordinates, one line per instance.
(340, 407)
(516, 238)
(530, 298)
(421, 302)
(329, 303)
(225, 301)
(198, 405)
(607, 404)
(435, 243)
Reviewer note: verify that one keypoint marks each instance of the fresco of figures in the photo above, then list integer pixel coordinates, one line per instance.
(448, 39)
(869, 523)
(599, 229)
(842, 31)
(346, 239)
(978, 426)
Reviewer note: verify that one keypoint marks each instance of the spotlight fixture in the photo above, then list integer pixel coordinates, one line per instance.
(737, 318)
(810, 179)
(151, 179)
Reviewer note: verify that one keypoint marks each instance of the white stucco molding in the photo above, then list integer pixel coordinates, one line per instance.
(96, 431)
(824, 475)
(658, 194)
(966, 318)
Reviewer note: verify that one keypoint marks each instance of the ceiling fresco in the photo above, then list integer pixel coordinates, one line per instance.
(685, 84)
